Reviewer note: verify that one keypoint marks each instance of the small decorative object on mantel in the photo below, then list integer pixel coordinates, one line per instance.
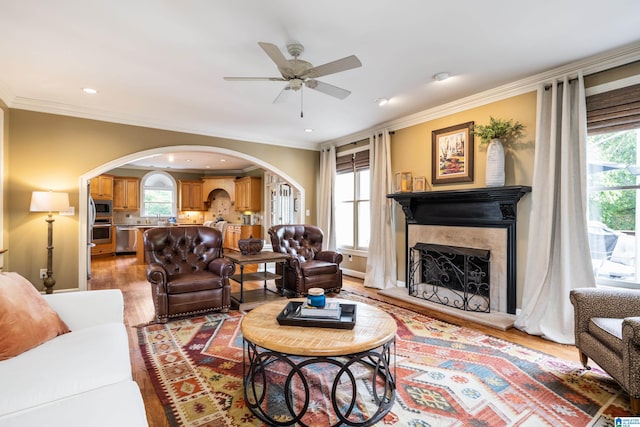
(419, 184)
(250, 246)
(406, 182)
(498, 133)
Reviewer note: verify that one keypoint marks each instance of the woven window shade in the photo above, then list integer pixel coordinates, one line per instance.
(613, 111)
(352, 162)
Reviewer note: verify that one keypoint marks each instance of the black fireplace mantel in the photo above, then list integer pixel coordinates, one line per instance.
(474, 207)
(492, 206)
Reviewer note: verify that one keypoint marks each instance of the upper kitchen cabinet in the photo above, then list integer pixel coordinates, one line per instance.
(126, 193)
(191, 198)
(101, 187)
(248, 195)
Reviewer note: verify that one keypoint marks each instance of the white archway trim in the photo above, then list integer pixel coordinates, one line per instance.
(83, 240)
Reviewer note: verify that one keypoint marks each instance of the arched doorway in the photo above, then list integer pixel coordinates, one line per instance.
(83, 241)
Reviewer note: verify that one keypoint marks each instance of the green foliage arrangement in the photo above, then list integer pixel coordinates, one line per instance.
(507, 131)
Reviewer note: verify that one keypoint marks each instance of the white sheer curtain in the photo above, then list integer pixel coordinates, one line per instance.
(558, 252)
(326, 220)
(381, 260)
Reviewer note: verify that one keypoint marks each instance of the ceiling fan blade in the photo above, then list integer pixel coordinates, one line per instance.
(276, 56)
(334, 67)
(254, 79)
(283, 95)
(327, 89)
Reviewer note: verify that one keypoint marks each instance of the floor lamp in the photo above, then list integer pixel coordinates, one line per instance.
(49, 201)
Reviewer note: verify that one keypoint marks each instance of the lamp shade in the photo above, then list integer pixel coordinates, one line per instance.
(49, 201)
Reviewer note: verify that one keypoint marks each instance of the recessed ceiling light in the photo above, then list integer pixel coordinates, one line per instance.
(441, 76)
(188, 160)
(223, 160)
(381, 101)
(171, 158)
(89, 90)
(308, 130)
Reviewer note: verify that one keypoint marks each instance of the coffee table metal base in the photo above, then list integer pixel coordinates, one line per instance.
(257, 385)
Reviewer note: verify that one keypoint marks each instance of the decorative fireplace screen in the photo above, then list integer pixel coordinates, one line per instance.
(450, 275)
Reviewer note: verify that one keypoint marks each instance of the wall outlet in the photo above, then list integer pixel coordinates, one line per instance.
(43, 273)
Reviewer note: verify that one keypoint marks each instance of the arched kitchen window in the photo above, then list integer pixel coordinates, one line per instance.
(158, 195)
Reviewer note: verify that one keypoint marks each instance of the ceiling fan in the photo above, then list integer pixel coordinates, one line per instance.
(298, 73)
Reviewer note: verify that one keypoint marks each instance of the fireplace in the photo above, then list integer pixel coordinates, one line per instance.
(479, 219)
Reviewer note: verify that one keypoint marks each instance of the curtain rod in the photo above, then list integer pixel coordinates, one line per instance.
(549, 85)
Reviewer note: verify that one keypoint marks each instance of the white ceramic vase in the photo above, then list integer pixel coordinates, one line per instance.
(495, 164)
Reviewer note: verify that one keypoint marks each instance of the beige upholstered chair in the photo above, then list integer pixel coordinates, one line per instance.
(309, 266)
(607, 330)
(222, 227)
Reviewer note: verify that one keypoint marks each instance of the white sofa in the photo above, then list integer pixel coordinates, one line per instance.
(82, 378)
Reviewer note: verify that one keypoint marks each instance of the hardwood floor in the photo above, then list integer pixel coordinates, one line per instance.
(122, 272)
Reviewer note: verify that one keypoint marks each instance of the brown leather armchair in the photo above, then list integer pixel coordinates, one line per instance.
(607, 330)
(186, 270)
(308, 266)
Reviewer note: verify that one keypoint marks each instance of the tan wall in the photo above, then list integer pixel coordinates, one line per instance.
(4, 165)
(411, 151)
(51, 152)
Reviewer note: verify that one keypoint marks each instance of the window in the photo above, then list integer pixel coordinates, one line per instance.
(158, 195)
(352, 201)
(613, 180)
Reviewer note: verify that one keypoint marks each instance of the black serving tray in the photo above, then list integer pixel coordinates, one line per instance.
(289, 317)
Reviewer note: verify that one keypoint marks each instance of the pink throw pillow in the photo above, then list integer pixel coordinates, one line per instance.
(26, 318)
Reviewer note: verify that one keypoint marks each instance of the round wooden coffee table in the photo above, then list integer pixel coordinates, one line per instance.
(281, 396)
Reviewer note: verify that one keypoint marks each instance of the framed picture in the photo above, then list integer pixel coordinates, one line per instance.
(452, 156)
(419, 184)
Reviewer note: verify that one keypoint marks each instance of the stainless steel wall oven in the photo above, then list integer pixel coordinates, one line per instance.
(101, 231)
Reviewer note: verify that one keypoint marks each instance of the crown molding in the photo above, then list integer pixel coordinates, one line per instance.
(593, 64)
(40, 106)
(6, 95)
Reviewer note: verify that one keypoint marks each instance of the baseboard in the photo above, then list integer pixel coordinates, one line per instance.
(352, 273)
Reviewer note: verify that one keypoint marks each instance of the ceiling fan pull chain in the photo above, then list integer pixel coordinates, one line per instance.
(301, 102)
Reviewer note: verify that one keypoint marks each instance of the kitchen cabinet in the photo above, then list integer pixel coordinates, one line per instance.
(101, 187)
(236, 232)
(248, 195)
(126, 193)
(191, 198)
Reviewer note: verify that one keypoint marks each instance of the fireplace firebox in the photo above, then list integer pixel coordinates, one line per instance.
(454, 276)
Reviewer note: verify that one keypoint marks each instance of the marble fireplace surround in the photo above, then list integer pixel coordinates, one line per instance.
(482, 218)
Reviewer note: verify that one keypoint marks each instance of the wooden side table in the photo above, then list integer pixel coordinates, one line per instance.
(259, 258)
(370, 344)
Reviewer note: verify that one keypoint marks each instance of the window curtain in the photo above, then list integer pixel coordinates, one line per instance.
(326, 209)
(381, 260)
(558, 250)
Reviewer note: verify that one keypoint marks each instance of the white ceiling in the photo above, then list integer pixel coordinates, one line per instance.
(161, 63)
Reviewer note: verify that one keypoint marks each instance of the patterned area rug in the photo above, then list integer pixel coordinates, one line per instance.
(447, 376)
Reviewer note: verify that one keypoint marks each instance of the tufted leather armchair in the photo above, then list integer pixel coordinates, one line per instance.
(309, 266)
(607, 330)
(186, 270)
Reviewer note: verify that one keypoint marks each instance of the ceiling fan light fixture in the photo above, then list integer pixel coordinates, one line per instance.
(89, 91)
(295, 84)
(382, 101)
(308, 130)
(440, 77)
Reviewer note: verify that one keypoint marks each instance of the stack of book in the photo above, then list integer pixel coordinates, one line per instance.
(331, 310)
